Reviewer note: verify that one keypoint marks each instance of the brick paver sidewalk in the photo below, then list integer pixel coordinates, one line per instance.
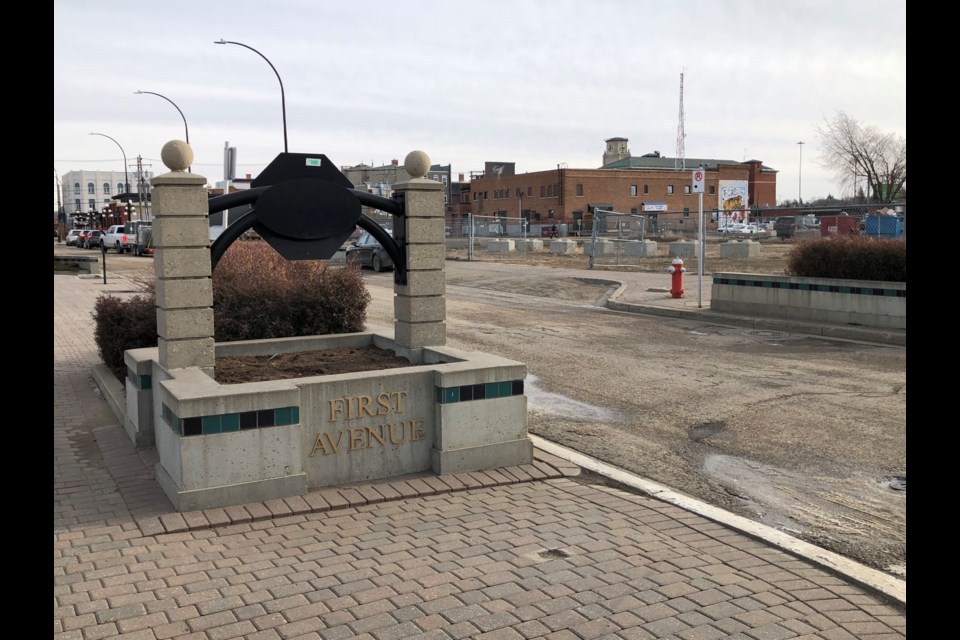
(527, 552)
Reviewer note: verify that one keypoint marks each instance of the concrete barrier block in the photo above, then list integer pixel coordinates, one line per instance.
(640, 248)
(563, 247)
(530, 244)
(740, 249)
(683, 248)
(501, 244)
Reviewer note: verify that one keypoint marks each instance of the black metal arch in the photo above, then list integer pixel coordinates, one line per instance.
(392, 245)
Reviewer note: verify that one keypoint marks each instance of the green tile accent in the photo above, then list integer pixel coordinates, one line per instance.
(439, 394)
(492, 389)
(451, 395)
(146, 381)
(285, 416)
(506, 389)
(230, 422)
(211, 424)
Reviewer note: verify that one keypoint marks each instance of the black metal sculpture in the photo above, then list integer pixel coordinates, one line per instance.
(305, 208)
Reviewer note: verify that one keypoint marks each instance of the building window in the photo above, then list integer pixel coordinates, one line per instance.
(91, 188)
(633, 211)
(713, 190)
(76, 189)
(646, 189)
(120, 188)
(579, 189)
(519, 192)
(444, 180)
(686, 212)
(550, 214)
(543, 191)
(445, 199)
(669, 189)
(530, 191)
(633, 191)
(92, 204)
(549, 190)
(686, 189)
(106, 188)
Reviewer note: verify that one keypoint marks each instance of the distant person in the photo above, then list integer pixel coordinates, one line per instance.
(553, 231)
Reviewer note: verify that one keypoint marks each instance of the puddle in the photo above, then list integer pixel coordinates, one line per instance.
(555, 404)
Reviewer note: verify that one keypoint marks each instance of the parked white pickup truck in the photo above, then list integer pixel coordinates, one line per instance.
(119, 237)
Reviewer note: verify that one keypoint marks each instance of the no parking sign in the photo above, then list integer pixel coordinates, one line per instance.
(698, 180)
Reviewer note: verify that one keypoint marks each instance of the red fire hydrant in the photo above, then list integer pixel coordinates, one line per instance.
(676, 269)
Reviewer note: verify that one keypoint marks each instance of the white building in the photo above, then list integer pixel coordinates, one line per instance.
(84, 191)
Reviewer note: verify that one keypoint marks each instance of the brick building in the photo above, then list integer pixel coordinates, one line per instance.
(652, 185)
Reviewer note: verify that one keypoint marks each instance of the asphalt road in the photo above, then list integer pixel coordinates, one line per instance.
(801, 433)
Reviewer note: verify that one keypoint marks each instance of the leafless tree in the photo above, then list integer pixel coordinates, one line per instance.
(854, 151)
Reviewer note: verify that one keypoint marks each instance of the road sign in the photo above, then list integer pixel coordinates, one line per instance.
(698, 180)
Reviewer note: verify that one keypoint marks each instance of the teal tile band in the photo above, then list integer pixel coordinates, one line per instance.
(485, 391)
(229, 422)
(806, 286)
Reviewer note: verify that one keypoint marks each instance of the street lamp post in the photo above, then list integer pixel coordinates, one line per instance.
(283, 100)
(126, 177)
(800, 175)
(186, 131)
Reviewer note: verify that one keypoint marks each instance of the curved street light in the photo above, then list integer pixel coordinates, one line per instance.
(126, 177)
(283, 100)
(186, 131)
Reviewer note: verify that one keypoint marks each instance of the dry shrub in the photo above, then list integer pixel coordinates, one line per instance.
(257, 294)
(849, 258)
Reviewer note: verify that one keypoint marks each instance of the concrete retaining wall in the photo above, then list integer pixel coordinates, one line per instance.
(218, 445)
(842, 302)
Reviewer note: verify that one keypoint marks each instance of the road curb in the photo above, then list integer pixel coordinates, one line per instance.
(883, 584)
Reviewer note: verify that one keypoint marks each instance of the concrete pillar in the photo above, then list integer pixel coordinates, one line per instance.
(181, 238)
(420, 310)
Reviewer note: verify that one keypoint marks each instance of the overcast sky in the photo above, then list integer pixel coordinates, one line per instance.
(535, 82)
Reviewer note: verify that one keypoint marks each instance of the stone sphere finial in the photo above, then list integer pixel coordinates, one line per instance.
(176, 155)
(417, 164)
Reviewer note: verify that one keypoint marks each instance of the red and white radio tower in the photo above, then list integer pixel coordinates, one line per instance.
(680, 161)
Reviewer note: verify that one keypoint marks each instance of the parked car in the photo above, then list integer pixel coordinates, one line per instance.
(785, 226)
(72, 236)
(366, 251)
(92, 239)
(82, 237)
(731, 227)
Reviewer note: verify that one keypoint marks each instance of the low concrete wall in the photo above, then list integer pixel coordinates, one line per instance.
(530, 244)
(87, 264)
(218, 445)
(835, 301)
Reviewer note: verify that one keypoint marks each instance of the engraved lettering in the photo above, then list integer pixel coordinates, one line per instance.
(336, 408)
(416, 429)
(356, 439)
(376, 436)
(335, 445)
(363, 406)
(403, 433)
(383, 401)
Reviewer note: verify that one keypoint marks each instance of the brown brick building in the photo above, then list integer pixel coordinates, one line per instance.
(651, 185)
